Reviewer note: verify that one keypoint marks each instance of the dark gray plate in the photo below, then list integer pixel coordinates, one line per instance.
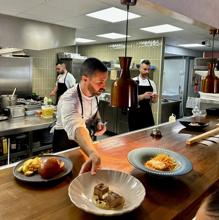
(36, 178)
(191, 126)
(139, 156)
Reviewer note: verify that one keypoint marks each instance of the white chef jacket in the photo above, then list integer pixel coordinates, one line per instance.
(69, 112)
(69, 80)
(144, 82)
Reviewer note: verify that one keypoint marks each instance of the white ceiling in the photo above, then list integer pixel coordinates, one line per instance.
(71, 13)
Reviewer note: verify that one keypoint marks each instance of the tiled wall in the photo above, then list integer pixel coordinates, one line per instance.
(151, 49)
(44, 75)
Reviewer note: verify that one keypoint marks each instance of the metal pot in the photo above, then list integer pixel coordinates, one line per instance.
(8, 100)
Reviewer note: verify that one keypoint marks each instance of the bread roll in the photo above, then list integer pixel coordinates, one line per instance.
(50, 167)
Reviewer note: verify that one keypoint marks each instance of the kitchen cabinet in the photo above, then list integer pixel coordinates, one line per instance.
(23, 137)
(17, 150)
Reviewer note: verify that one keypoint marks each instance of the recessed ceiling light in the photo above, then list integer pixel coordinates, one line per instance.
(162, 28)
(113, 15)
(112, 35)
(83, 40)
(191, 45)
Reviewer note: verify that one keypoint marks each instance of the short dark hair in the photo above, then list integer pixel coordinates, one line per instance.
(146, 62)
(60, 62)
(91, 65)
(212, 206)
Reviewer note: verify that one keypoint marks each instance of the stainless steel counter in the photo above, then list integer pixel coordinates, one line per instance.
(24, 124)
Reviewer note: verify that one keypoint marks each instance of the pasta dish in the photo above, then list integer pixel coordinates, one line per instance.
(161, 162)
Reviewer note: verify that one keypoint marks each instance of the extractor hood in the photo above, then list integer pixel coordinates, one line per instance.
(34, 35)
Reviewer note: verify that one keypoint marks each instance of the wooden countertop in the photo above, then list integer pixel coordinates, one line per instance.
(166, 198)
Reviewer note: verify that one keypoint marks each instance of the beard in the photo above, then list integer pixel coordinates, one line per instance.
(93, 92)
(60, 72)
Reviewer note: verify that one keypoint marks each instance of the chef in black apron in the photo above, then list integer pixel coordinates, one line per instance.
(61, 88)
(78, 119)
(65, 80)
(61, 141)
(142, 116)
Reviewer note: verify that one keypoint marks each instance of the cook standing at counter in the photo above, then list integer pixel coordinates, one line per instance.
(65, 80)
(142, 117)
(78, 116)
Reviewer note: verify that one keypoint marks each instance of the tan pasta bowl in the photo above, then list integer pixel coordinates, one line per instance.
(81, 189)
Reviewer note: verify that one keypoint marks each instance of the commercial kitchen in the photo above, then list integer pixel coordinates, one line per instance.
(184, 66)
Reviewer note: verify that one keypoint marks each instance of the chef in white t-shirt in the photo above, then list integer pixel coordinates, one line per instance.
(142, 117)
(65, 80)
(78, 118)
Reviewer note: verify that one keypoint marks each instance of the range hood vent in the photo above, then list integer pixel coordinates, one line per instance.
(33, 35)
(12, 52)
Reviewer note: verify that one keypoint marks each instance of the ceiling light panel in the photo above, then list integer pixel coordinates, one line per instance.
(113, 15)
(112, 35)
(191, 45)
(83, 40)
(164, 28)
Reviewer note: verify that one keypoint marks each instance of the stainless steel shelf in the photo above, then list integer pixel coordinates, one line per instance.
(46, 147)
(13, 155)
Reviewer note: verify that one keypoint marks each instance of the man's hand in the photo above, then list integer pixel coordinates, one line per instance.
(101, 128)
(154, 97)
(92, 164)
(147, 95)
(53, 93)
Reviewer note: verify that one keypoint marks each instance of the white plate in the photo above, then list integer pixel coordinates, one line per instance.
(81, 190)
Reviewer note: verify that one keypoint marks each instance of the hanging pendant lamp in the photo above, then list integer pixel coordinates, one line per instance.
(124, 91)
(211, 83)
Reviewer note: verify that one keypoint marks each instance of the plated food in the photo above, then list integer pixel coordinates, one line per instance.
(30, 166)
(159, 161)
(107, 199)
(107, 193)
(194, 125)
(162, 162)
(51, 167)
(46, 168)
